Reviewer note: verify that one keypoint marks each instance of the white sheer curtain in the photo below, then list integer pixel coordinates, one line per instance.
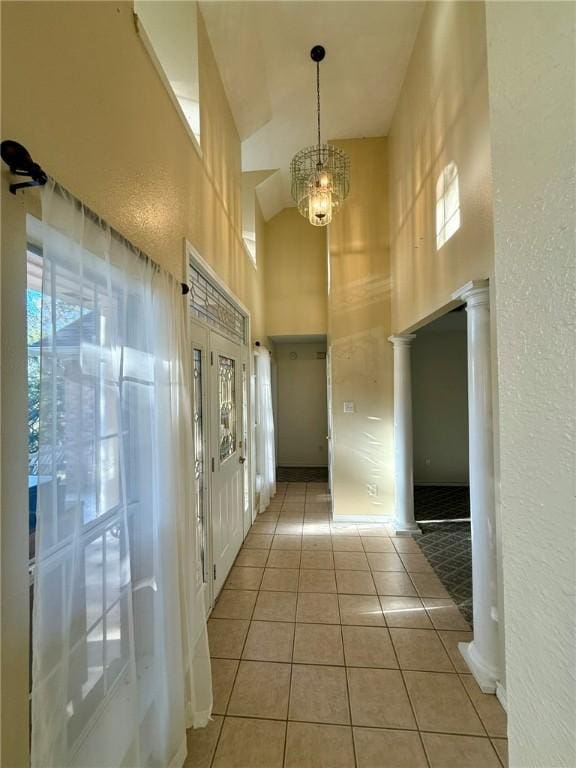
(120, 660)
(265, 449)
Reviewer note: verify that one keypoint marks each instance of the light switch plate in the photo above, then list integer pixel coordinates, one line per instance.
(349, 406)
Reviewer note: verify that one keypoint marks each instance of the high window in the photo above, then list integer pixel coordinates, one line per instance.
(447, 205)
(169, 31)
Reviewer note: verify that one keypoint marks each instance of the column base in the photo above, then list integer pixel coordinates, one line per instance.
(402, 528)
(485, 675)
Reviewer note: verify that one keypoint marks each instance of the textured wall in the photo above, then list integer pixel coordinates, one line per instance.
(440, 401)
(296, 280)
(302, 423)
(88, 103)
(441, 117)
(359, 326)
(532, 86)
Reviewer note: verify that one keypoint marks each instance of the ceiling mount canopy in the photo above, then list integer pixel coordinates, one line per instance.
(320, 174)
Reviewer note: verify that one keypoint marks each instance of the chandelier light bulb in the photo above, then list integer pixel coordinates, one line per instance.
(320, 207)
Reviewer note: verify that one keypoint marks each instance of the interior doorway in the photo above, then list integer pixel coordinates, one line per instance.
(441, 461)
(301, 408)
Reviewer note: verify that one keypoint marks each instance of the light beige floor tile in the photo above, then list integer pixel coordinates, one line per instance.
(346, 543)
(226, 637)
(318, 644)
(244, 578)
(450, 639)
(444, 614)
(315, 608)
(234, 604)
(283, 558)
(262, 527)
(501, 747)
(280, 579)
(269, 641)
(295, 516)
(313, 745)
(361, 610)
(317, 542)
(201, 743)
(420, 649)
(316, 528)
(351, 561)
(379, 748)
(488, 707)
(275, 606)
(385, 561)
(407, 612)
(252, 557)
(446, 751)
(406, 545)
(367, 530)
(378, 699)
(428, 585)
(270, 516)
(249, 743)
(378, 544)
(345, 530)
(223, 674)
(287, 542)
(368, 647)
(317, 581)
(415, 563)
(258, 541)
(314, 560)
(441, 703)
(319, 695)
(261, 690)
(398, 584)
(355, 583)
(289, 529)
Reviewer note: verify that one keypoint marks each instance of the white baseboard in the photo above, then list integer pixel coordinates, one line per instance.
(501, 696)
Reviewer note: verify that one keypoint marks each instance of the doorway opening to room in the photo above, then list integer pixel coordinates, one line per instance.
(301, 409)
(441, 461)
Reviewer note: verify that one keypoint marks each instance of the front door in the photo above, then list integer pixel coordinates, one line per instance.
(227, 456)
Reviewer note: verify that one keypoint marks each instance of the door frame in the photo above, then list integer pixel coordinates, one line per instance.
(192, 257)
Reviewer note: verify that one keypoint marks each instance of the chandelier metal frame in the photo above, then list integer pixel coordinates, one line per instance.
(320, 174)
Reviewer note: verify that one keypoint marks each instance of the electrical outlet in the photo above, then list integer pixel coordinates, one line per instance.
(372, 489)
(428, 462)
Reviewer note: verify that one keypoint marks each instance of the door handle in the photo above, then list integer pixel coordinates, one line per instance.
(242, 459)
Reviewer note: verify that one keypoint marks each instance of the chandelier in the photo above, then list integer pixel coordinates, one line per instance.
(320, 174)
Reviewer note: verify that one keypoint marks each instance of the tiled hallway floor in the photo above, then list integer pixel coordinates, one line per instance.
(335, 646)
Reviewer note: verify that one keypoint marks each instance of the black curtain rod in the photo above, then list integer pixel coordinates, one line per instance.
(20, 163)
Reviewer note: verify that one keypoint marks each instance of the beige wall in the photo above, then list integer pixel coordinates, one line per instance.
(98, 118)
(296, 279)
(441, 117)
(302, 422)
(440, 401)
(80, 91)
(359, 325)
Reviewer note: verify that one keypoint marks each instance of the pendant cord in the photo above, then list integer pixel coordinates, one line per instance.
(318, 108)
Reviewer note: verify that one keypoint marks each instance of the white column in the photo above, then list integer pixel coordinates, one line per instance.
(481, 654)
(403, 443)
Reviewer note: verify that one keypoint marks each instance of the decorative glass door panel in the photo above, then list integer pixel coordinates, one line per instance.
(227, 403)
(199, 461)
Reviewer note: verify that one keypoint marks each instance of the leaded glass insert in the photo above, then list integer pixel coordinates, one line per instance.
(199, 461)
(227, 402)
(211, 306)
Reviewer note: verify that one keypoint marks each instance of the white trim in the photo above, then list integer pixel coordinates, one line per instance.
(162, 75)
(502, 696)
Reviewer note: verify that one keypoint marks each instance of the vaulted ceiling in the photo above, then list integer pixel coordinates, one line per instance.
(262, 50)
